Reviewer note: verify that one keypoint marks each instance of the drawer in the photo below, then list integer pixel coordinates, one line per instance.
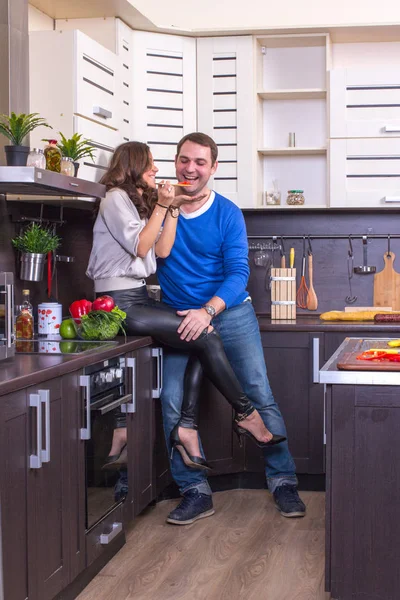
(53, 385)
(96, 81)
(365, 172)
(105, 533)
(364, 103)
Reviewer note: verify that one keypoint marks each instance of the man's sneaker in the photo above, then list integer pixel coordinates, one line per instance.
(288, 502)
(193, 506)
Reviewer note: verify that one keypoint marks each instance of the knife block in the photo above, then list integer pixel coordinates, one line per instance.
(283, 293)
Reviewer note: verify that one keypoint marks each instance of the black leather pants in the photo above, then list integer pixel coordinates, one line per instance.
(147, 317)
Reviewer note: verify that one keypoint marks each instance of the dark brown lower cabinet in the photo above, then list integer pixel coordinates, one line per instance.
(33, 493)
(363, 492)
(293, 360)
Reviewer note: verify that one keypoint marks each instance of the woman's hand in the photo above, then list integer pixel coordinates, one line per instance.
(166, 193)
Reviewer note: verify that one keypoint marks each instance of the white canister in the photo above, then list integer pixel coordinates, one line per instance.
(49, 318)
(49, 347)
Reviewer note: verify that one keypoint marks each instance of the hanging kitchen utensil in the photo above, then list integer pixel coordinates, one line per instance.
(350, 299)
(312, 300)
(283, 257)
(387, 283)
(301, 296)
(291, 258)
(365, 269)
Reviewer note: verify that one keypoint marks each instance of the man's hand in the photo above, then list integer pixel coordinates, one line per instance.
(194, 323)
(183, 199)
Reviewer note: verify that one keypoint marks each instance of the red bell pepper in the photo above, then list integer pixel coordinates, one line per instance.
(79, 308)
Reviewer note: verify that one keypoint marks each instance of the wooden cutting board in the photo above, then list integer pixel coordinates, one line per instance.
(387, 284)
(347, 361)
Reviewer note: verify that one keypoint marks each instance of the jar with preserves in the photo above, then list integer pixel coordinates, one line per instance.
(295, 198)
(53, 156)
(24, 320)
(36, 158)
(67, 166)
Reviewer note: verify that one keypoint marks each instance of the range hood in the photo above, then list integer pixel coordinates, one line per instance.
(31, 183)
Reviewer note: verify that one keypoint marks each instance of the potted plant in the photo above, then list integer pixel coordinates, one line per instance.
(34, 243)
(76, 148)
(16, 127)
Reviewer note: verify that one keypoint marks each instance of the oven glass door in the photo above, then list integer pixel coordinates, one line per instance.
(106, 487)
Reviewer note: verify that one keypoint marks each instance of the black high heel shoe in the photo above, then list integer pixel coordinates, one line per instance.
(276, 439)
(194, 462)
(116, 461)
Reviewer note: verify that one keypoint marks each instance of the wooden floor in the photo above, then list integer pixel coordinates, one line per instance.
(245, 551)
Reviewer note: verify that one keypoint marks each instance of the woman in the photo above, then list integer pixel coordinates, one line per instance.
(126, 241)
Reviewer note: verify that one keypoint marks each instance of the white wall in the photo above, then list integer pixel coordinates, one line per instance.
(261, 14)
(38, 21)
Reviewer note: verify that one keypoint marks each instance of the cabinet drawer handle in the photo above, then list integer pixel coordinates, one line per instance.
(158, 354)
(45, 399)
(74, 184)
(10, 314)
(122, 402)
(315, 344)
(106, 538)
(35, 460)
(130, 407)
(391, 129)
(391, 199)
(102, 112)
(84, 381)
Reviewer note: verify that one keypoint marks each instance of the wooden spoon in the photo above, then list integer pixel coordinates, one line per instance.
(312, 300)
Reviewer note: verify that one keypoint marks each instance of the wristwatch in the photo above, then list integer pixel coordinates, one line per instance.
(210, 310)
(174, 210)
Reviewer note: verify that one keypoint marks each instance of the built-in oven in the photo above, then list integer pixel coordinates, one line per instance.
(109, 390)
(7, 336)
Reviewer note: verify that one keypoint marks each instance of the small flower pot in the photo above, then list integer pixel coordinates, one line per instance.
(16, 156)
(32, 266)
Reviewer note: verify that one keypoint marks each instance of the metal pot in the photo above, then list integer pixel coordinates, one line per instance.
(32, 266)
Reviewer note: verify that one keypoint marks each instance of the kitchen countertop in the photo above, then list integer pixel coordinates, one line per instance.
(330, 374)
(25, 370)
(314, 323)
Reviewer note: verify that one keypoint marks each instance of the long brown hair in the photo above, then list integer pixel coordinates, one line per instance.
(128, 163)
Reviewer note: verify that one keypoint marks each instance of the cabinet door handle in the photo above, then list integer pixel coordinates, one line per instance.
(35, 460)
(391, 198)
(130, 407)
(45, 399)
(391, 129)
(102, 112)
(84, 381)
(10, 314)
(106, 538)
(315, 344)
(158, 354)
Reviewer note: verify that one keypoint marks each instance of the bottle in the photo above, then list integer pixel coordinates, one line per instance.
(53, 156)
(67, 166)
(24, 321)
(36, 158)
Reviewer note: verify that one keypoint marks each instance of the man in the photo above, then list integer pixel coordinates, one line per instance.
(205, 276)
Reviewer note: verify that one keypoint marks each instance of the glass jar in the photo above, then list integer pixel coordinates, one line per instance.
(53, 156)
(36, 158)
(295, 197)
(272, 198)
(67, 166)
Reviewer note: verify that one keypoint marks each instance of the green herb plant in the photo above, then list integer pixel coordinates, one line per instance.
(36, 239)
(76, 147)
(17, 127)
(102, 325)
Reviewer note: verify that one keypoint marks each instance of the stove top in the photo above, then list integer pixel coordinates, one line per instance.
(59, 346)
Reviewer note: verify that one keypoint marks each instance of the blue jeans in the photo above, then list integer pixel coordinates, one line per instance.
(238, 328)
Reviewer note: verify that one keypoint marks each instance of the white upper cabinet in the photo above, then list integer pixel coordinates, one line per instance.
(365, 102)
(225, 101)
(164, 98)
(292, 137)
(73, 85)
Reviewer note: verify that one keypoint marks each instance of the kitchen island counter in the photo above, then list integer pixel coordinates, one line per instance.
(313, 323)
(24, 370)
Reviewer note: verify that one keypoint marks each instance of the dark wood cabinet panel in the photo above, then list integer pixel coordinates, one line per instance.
(292, 361)
(363, 488)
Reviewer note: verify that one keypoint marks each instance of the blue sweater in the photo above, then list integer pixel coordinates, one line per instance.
(209, 258)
